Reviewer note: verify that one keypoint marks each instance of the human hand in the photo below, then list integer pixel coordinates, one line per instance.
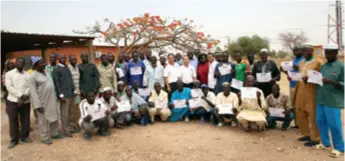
(107, 112)
(40, 110)
(305, 79)
(88, 118)
(151, 104)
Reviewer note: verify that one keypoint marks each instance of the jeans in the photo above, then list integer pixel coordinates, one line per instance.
(329, 119)
(200, 112)
(272, 121)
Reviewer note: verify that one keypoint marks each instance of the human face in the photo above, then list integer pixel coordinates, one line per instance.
(180, 85)
(153, 60)
(237, 57)
(162, 59)
(171, 59)
(225, 58)
(73, 60)
(157, 87)
(52, 59)
(135, 56)
(263, 56)
(219, 58)
(111, 57)
(331, 55)
(178, 56)
(90, 98)
(41, 65)
(275, 90)
(148, 54)
(185, 60)
(250, 57)
(142, 55)
(129, 92)
(250, 82)
(10, 66)
(104, 59)
(121, 57)
(203, 59)
(62, 59)
(226, 90)
(20, 63)
(196, 52)
(205, 91)
(210, 57)
(126, 57)
(308, 53)
(120, 87)
(297, 52)
(107, 95)
(190, 54)
(85, 58)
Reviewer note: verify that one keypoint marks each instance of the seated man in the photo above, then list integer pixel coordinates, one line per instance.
(88, 106)
(252, 109)
(158, 95)
(180, 94)
(115, 119)
(210, 101)
(120, 89)
(138, 106)
(227, 98)
(279, 100)
(196, 93)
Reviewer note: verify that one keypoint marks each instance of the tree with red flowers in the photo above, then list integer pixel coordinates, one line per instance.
(153, 32)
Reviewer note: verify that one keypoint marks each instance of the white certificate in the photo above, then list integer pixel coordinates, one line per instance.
(287, 66)
(263, 77)
(194, 103)
(236, 84)
(276, 112)
(119, 72)
(123, 106)
(97, 113)
(136, 71)
(144, 91)
(196, 93)
(225, 109)
(161, 104)
(180, 103)
(248, 92)
(224, 69)
(315, 77)
(295, 76)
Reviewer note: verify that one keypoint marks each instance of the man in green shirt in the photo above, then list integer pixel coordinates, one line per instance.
(50, 68)
(330, 101)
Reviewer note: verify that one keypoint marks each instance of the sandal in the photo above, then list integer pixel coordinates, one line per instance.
(335, 153)
(321, 147)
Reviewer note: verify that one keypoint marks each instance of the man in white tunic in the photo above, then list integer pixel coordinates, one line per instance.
(43, 99)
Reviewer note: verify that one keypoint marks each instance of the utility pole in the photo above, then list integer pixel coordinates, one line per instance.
(335, 26)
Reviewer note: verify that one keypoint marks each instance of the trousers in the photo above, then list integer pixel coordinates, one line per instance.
(164, 113)
(328, 119)
(67, 112)
(46, 129)
(102, 124)
(13, 109)
(272, 121)
(307, 123)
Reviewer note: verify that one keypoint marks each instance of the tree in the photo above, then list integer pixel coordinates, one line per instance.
(291, 39)
(153, 32)
(247, 44)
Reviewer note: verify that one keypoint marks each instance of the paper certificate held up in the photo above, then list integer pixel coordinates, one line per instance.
(276, 112)
(224, 69)
(180, 103)
(195, 93)
(287, 66)
(225, 109)
(194, 103)
(161, 104)
(144, 91)
(295, 76)
(248, 92)
(136, 71)
(236, 84)
(263, 77)
(123, 106)
(315, 77)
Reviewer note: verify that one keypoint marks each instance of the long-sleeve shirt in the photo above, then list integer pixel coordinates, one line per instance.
(163, 96)
(112, 102)
(210, 97)
(261, 67)
(283, 101)
(107, 77)
(230, 99)
(64, 82)
(131, 77)
(135, 101)
(86, 108)
(17, 85)
(223, 78)
(202, 72)
(153, 75)
(89, 78)
(212, 81)
(75, 77)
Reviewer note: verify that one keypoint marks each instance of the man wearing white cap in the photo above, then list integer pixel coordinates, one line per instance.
(265, 66)
(330, 102)
(43, 99)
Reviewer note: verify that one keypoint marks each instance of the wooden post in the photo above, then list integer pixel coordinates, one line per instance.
(44, 54)
(90, 47)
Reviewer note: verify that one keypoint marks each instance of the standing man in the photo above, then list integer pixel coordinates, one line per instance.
(143, 58)
(43, 96)
(50, 68)
(66, 92)
(305, 98)
(266, 66)
(171, 74)
(76, 77)
(187, 73)
(298, 53)
(330, 102)
(122, 64)
(178, 59)
(212, 81)
(18, 103)
(162, 61)
(147, 56)
(136, 70)
(242, 67)
(192, 60)
(224, 72)
(153, 74)
(107, 76)
(89, 76)
(251, 58)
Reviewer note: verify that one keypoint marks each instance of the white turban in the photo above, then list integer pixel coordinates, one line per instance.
(107, 89)
(263, 50)
(330, 47)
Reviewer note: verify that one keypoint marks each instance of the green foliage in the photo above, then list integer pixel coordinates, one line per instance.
(247, 44)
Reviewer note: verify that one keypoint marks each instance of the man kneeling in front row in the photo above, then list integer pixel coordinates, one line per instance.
(90, 109)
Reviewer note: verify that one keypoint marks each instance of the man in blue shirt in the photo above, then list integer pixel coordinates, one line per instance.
(136, 69)
(192, 61)
(298, 53)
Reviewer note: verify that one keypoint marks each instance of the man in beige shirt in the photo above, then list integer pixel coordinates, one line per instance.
(107, 76)
(158, 103)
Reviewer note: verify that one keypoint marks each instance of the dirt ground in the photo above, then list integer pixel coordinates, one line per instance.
(168, 141)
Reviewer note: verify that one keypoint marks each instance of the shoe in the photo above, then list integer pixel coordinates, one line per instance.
(335, 153)
(77, 130)
(12, 145)
(58, 136)
(220, 124)
(321, 147)
(105, 133)
(186, 119)
(47, 142)
(233, 124)
(304, 138)
(87, 136)
(311, 143)
(118, 127)
(67, 134)
(27, 140)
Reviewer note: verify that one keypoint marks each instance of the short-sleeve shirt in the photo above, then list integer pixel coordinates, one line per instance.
(171, 71)
(187, 74)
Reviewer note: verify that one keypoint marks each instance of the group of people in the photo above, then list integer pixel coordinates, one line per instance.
(208, 87)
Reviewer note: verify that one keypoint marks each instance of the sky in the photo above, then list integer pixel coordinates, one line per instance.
(221, 18)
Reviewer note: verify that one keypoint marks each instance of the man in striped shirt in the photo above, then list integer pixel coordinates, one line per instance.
(75, 76)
